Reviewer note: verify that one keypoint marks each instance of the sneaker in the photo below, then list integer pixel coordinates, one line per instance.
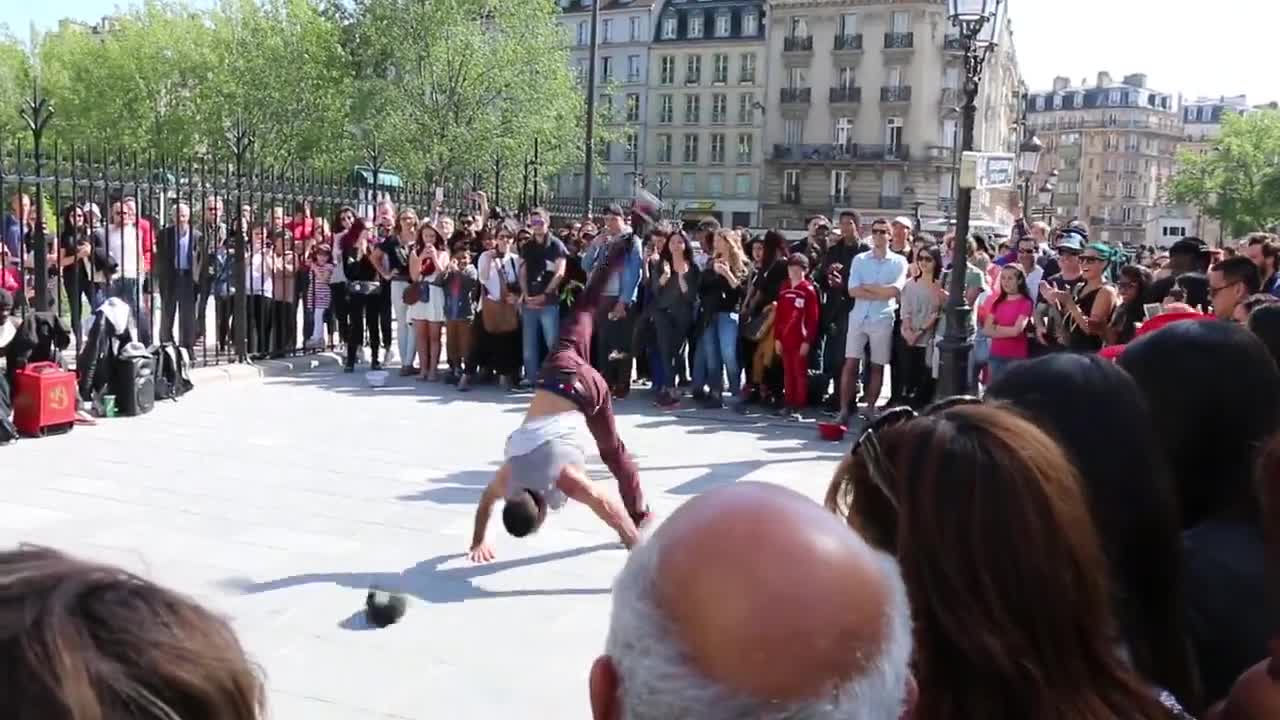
(669, 401)
(794, 416)
(698, 395)
(375, 365)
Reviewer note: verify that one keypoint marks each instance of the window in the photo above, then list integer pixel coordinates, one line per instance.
(606, 30)
(797, 77)
(946, 186)
(839, 184)
(606, 69)
(606, 151)
(902, 21)
(951, 77)
(747, 69)
(688, 183)
(633, 68)
(744, 148)
(695, 25)
(1126, 213)
(664, 148)
(723, 23)
(633, 107)
(691, 148)
(717, 148)
(1039, 102)
(635, 29)
(791, 184)
(669, 25)
(606, 105)
(893, 133)
(666, 70)
(750, 23)
(1206, 113)
(719, 108)
(1113, 98)
(792, 131)
(1057, 102)
(583, 37)
(693, 70)
(950, 132)
(715, 184)
(893, 75)
(1130, 190)
(692, 109)
(844, 126)
(891, 183)
(746, 108)
(580, 70)
(846, 78)
(799, 26)
(719, 69)
(663, 182)
(849, 24)
(629, 146)
(665, 112)
(742, 184)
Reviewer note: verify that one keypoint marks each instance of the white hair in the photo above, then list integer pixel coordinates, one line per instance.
(658, 681)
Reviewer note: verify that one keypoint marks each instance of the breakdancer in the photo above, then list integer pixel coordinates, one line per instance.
(545, 463)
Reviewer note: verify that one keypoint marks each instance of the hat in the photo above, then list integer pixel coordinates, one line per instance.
(614, 209)
(1071, 241)
(904, 221)
(1188, 246)
(1113, 352)
(91, 209)
(799, 260)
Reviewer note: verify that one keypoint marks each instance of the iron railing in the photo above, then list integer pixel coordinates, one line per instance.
(797, 43)
(845, 95)
(895, 93)
(899, 40)
(848, 42)
(796, 95)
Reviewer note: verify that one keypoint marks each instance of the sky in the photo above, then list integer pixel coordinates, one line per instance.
(1193, 48)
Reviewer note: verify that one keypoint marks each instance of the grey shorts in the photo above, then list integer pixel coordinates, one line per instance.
(539, 469)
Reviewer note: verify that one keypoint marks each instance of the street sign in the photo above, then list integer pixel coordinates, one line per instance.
(988, 171)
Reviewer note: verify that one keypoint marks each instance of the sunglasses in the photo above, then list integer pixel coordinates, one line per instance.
(1091, 259)
(879, 232)
(1022, 251)
(868, 443)
(1068, 253)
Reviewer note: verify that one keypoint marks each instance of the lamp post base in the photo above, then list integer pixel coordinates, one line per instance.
(954, 377)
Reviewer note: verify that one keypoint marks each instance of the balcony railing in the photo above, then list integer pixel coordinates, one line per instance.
(840, 152)
(845, 95)
(798, 43)
(953, 43)
(941, 153)
(797, 95)
(849, 42)
(895, 93)
(890, 202)
(840, 199)
(950, 97)
(899, 40)
(791, 196)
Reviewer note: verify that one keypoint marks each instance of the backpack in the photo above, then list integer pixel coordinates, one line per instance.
(173, 377)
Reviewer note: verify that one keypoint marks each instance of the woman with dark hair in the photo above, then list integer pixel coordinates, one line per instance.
(82, 261)
(342, 221)
(1004, 573)
(1210, 431)
(363, 289)
(756, 323)
(80, 640)
(1007, 315)
(921, 306)
(1087, 403)
(430, 258)
(1087, 308)
(1135, 280)
(674, 287)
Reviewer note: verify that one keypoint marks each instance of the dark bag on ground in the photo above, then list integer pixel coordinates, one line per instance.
(108, 333)
(172, 371)
(133, 380)
(8, 432)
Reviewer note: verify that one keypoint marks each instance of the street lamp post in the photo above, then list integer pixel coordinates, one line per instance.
(588, 173)
(1028, 163)
(1045, 195)
(978, 23)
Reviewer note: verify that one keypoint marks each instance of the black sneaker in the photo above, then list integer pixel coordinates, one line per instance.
(713, 402)
(698, 395)
(375, 365)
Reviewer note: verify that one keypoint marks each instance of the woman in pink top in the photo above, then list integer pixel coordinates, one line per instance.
(1006, 320)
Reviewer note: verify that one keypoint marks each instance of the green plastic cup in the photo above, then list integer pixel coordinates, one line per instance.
(109, 405)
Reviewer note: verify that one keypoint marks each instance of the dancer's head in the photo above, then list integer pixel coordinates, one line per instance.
(82, 640)
(706, 623)
(523, 513)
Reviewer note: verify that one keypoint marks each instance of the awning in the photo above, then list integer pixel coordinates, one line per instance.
(363, 175)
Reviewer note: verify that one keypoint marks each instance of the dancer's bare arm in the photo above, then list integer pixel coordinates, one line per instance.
(495, 491)
(575, 484)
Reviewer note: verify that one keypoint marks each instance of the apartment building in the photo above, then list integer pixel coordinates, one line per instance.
(1114, 146)
(1202, 120)
(624, 35)
(705, 109)
(863, 111)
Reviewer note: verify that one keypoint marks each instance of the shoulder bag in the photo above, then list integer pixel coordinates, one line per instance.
(499, 316)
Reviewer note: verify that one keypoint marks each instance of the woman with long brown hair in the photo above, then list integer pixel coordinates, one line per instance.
(429, 259)
(1004, 572)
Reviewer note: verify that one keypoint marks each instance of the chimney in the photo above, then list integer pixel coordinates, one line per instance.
(1138, 80)
(1104, 79)
(1061, 83)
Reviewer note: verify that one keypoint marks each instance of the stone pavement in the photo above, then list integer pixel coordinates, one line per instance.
(279, 502)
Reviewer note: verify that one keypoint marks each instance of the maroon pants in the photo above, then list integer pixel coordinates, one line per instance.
(795, 378)
(568, 373)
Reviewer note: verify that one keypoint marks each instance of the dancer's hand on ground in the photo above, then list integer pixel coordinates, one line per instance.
(481, 553)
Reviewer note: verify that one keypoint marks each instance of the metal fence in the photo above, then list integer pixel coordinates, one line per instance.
(87, 223)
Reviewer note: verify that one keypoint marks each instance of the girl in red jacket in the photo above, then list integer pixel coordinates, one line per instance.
(795, 330)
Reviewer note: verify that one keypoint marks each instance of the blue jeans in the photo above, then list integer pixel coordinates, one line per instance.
(129, 290)
(720, 338)
(546, 319)
(996, 366)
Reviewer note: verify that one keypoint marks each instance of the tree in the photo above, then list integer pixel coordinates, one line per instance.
(1237, 181)
(15, 86)
(448, 84)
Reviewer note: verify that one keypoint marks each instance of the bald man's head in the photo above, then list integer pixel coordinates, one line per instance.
(754, 601)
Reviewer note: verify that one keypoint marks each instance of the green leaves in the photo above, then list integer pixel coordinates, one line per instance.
(1238, 180)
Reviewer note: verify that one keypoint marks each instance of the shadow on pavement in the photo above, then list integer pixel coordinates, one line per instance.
(427, 582)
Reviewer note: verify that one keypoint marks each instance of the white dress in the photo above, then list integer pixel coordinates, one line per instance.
(433, 309)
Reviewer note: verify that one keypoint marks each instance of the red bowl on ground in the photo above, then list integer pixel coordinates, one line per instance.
(832, 432)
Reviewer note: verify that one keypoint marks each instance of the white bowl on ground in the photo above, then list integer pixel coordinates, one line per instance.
(376, 378)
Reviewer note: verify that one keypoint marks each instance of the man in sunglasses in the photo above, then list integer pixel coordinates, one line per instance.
(545, 462)
(545, 260)
(1049, 313)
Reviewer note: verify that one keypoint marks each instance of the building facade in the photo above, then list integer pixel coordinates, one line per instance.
(1202, 120)
(1114, 145)
(622, 57)
(705, 109)
(863, 112)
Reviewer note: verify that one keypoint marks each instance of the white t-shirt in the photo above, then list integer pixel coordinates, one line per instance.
(124, 245)
(257, 279)
(493, 276)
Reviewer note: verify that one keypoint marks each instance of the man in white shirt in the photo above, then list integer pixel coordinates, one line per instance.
(124, 246)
